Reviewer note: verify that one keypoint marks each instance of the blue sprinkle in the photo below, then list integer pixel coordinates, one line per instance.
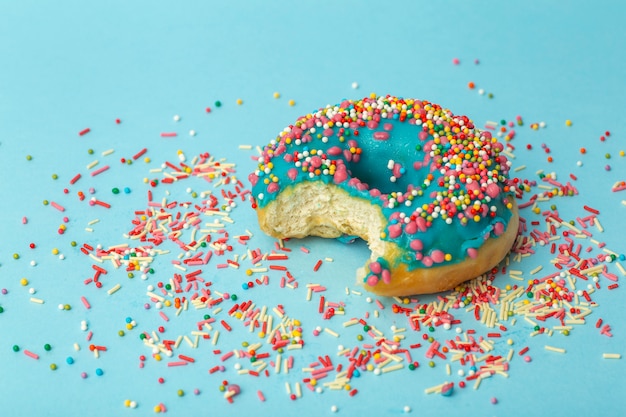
(99, 372)
(69, 360)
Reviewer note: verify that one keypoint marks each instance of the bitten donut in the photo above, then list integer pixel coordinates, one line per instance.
(427, 190)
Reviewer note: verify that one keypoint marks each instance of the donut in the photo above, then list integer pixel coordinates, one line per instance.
(428, 191)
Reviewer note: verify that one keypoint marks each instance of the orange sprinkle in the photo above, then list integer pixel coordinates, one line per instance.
(471, 85)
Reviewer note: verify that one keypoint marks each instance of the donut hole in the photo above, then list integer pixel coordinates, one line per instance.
(389, 167)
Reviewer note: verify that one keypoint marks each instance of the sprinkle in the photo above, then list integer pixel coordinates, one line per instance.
(331, 332)
(611, 356)
(168, 134)
(99, 171)
(84, 132)
(317, 265)
(554, 349)
(114, 289)
(140, 153)
(76, 178)
(31, 354)
(57, 206)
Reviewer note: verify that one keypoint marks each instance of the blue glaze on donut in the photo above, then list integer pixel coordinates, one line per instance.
(441, 183)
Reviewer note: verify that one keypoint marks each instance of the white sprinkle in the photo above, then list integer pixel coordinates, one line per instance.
(611, 356)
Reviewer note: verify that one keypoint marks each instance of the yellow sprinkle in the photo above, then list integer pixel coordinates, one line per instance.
(239, 102)
(292, 102)
(276, 94)
(568, 122)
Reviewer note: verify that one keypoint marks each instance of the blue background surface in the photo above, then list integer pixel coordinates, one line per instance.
(71, 65)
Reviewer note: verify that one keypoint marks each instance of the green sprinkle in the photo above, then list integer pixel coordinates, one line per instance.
(16, 348)
(115, 190)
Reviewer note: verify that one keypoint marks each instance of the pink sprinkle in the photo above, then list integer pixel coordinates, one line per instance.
(260, 395)
(168, 134)
(24, 220)
(177, 363)
(85, 303)
(57, 206)
(164, 316)
(99, 171)
(31, 354)
(456, 61)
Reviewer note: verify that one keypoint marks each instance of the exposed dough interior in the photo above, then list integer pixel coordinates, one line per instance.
(313, 208)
